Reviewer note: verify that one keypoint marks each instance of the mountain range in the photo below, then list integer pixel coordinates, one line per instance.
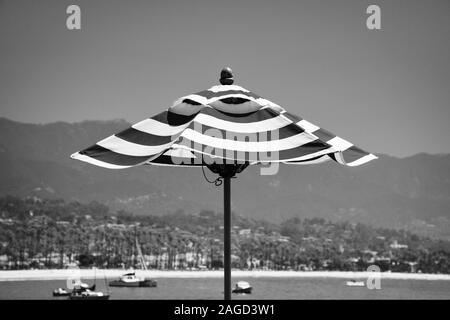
(411, 193)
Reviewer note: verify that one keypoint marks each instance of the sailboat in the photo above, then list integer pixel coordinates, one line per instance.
(130, 279)
(354, 283)
(82, 292)
(88, 295)
(242, 287)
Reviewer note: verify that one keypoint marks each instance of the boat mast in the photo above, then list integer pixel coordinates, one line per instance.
(141, 257)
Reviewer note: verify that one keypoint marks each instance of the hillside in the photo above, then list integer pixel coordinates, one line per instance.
(411, 192)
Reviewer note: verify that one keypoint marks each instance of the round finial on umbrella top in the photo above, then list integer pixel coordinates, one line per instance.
(226, 76)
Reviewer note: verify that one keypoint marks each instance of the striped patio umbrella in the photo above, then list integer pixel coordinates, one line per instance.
(225, 128)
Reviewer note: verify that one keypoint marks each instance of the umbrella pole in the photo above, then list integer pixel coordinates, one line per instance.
(227, 172)
(227, 237)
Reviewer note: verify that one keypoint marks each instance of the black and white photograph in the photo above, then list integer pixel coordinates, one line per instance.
(238, 152)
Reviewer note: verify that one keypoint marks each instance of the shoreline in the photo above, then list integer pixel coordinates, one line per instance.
(64, 274)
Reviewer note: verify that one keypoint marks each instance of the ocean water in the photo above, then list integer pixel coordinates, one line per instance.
(263, 288)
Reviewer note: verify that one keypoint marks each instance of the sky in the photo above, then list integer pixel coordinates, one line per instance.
(387, 91)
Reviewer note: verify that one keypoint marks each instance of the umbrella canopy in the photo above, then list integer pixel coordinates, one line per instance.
(225, 128)
(224, 123)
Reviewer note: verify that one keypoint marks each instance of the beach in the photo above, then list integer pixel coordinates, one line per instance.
(62, 274)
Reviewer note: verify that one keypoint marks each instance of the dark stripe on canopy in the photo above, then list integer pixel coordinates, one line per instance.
(209, 94)
(259, 115)
(311, 159)
(143, 138)
(294, 118)
(353, 153)
(192, 102)
(323, 134)
(333, 156)
(102, 154)
(234, 100)
(169, 160)
(173, 119)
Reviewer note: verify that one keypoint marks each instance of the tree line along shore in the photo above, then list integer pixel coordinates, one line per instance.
(54, 234)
